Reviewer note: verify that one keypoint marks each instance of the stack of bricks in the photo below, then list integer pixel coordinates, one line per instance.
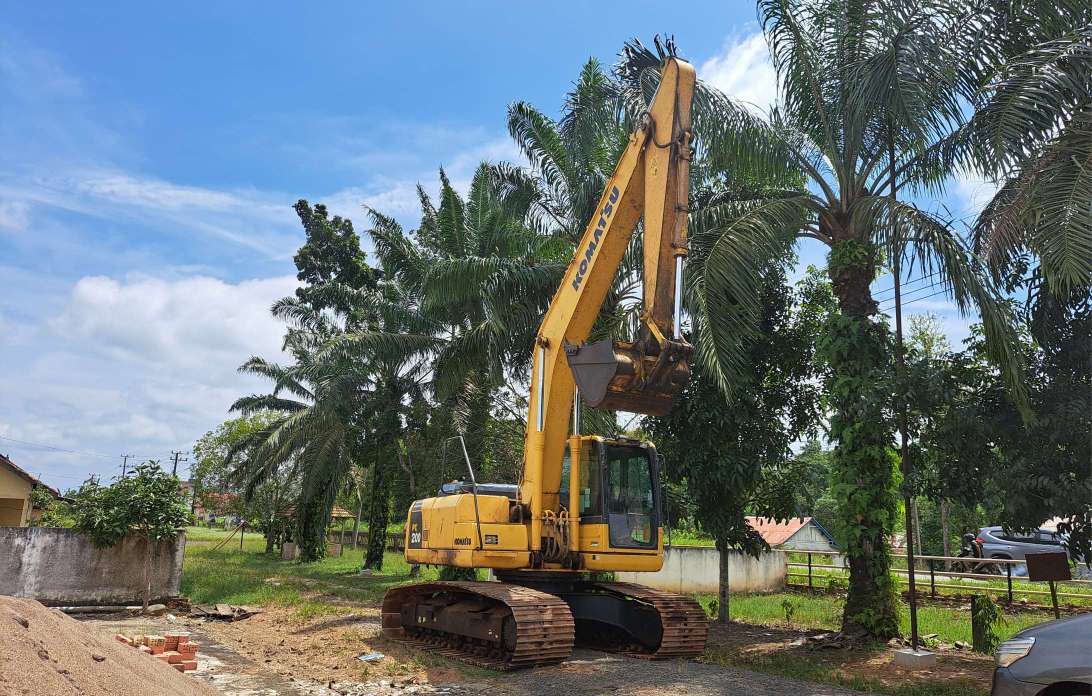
(175, 649)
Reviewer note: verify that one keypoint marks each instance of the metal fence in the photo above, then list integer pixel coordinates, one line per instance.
(395, 540)
(936, 574)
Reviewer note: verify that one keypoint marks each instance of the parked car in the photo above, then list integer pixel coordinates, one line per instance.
(998, 544)
(1051, 659)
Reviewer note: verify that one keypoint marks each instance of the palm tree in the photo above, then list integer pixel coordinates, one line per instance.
(342, 399)
(1032, 133)
(484, 274)
(865, 90)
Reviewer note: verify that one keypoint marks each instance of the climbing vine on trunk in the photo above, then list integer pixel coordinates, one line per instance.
(864, 465)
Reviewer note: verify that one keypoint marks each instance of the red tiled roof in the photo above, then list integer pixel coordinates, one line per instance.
(774, 532)
(4, 461)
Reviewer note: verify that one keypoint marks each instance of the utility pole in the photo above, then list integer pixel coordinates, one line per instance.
(125, 463)
(175, 454)
(900, 371)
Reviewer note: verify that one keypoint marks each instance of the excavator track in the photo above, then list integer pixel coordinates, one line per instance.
(494, 625)
(685, 625)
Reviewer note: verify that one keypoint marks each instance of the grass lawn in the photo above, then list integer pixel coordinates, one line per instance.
(825, 612)
(330, 586)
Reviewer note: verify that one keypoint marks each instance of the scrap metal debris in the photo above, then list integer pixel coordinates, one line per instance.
(222, 612)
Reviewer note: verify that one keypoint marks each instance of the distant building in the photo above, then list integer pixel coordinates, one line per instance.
(16, 486)
(797, 533)
(215, 505)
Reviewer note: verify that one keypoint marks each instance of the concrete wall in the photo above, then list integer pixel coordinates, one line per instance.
(697, 569)
(63, 567)
(14, 498)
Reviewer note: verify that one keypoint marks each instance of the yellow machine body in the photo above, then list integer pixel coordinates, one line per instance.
(476, 530)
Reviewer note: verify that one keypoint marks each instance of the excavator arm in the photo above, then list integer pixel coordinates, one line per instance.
(651, 180)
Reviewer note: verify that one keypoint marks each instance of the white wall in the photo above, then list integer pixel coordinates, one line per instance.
(697, 569)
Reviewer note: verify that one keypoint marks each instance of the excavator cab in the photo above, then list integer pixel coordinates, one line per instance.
(614, 483)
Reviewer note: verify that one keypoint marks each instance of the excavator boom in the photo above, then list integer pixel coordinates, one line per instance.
(651, 180)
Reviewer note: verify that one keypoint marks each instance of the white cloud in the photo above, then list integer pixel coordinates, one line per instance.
(139, 365)
(743, 71)
(197, 325)
(262, 221)
(973, 192)
(14, 215)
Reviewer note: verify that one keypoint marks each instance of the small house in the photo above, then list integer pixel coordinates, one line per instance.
(16, 486)
(797, 534)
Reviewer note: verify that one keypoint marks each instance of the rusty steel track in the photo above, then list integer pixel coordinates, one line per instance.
(544, 625)
(685, 625)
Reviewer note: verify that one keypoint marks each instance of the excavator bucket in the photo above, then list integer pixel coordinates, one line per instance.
(621, 376)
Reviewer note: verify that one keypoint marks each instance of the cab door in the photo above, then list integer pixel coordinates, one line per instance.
(631, 495)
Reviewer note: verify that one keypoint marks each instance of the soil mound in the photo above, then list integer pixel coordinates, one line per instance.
(43, 651)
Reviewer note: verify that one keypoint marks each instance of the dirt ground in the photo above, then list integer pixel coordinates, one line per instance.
(747, 642)
(274, 653)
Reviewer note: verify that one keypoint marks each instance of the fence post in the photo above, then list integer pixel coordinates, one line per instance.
(242, 526)
(809, 570)
(932, 578)
(1008, 572)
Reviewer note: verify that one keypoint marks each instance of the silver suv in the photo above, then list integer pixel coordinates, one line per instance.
(1051, 659)
(997, 544)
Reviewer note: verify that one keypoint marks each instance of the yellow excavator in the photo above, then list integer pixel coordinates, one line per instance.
(586, 504)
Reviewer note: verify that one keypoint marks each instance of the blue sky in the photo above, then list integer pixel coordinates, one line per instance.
(151, 156)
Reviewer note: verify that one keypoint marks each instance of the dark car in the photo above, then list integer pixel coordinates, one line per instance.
(1051, 659)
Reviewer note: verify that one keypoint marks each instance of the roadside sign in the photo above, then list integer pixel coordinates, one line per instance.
(1048, 566)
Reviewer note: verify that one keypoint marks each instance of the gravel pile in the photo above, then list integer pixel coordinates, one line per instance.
(44, 652)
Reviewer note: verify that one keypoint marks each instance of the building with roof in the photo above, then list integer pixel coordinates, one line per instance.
(16, 487)
(796, 533)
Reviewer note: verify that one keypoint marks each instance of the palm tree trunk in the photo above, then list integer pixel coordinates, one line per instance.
(377, 519)
(864, 461)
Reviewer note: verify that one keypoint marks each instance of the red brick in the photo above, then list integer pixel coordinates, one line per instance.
(189, 665)
(179, 667)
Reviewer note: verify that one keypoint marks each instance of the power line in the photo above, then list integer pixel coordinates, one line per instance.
(918, 299)
(912, 293)
(891, 289)
(57, 449)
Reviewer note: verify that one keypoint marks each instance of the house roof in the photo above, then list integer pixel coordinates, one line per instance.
(33, 480)
(775, 533)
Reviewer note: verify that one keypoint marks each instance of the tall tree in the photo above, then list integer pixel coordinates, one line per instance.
(331, 253)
